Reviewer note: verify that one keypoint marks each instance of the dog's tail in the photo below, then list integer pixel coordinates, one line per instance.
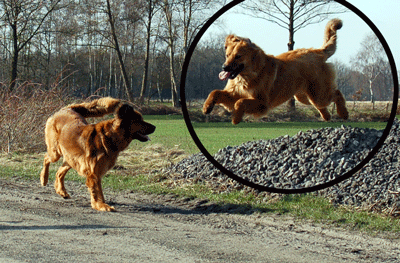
(330, 37)
(96, 108)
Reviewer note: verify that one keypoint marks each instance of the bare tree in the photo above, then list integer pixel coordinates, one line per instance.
(192, 19)
(293, 15)
(24, 18)
(183, 19)
(151, 9)
(372, 62)
(171, 37)
(343, 74)
(119, 53)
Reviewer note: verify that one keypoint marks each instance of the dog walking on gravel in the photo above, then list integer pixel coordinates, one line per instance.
(91, 149)
(258, 82)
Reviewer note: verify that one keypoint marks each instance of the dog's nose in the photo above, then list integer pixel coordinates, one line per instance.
(226, 67)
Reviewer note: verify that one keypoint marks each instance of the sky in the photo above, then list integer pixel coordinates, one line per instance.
(385, 14)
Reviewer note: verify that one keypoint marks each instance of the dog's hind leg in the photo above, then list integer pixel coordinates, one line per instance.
(324, 113)
(320, 101)
(337, 98)
(96, 194)
(302, 97)
(59, 182)
(340, 102)
(44, 174)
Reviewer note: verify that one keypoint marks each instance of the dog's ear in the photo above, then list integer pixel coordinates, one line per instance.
(247, 40)
(231, 38)
(234, 38)
(125, 111)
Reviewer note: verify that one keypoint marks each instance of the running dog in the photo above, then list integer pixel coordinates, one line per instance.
(91, 149)
(258, 82)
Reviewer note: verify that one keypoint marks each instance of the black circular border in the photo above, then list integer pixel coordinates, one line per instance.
(277, 190)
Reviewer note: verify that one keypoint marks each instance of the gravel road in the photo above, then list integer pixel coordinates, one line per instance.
(36, 225)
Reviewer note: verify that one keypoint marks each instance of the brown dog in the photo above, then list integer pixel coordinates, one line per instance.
(91, 149)
(259, 82)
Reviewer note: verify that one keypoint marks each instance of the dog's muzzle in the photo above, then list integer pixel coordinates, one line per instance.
(230, 71)
(142, 135)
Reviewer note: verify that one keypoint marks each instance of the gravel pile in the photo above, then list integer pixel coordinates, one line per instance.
(308, 159)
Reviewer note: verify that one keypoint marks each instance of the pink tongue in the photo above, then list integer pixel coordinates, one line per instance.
(224, 75)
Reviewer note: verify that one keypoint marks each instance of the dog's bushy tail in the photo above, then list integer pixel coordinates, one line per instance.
(96, 108)
(330, 37)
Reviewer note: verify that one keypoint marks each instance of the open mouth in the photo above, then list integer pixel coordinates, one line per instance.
(142, 137)
(143, 134)
(230, 72)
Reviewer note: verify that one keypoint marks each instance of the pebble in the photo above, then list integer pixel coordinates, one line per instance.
(310, 158)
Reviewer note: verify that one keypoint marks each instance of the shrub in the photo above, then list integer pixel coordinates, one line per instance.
(23, 115)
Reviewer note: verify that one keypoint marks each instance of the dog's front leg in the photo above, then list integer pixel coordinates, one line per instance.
(96, 194)
(219, 97)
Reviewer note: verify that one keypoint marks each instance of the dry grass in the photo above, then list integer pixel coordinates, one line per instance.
(23, 114)
(148, 159)
(358, 110)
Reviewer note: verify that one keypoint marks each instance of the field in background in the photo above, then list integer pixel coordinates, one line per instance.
(171, 132)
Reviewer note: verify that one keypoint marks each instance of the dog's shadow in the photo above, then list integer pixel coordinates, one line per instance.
(191, 208)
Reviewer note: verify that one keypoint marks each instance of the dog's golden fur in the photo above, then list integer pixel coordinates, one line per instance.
(259, 82)
(91, 149)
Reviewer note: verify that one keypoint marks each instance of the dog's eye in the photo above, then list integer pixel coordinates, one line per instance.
(237, 57)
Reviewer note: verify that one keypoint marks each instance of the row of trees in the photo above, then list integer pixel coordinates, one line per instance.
(135, 49)
(125, 48)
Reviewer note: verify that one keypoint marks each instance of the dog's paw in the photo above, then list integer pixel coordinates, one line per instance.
(66, 196)
(237, 117)
(44, 178)
(208, 107)
(43, 182)
(343, 113)
(236, 121)
(63, 194)
(103, 207)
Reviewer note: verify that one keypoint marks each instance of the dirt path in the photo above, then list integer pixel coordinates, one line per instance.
(36, 225)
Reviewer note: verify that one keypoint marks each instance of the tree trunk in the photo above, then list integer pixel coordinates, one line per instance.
(147, 54)
(168, 16)
(291, 104)
(14, 63)
(371, 91)
(174, 92)
(119, 54)
(291, 26)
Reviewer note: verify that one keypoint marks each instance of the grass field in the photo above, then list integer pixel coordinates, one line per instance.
(172, 132)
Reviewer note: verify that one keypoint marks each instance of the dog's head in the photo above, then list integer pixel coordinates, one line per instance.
(238, 52)
(132, 121)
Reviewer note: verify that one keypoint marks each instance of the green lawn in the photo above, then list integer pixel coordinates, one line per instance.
(171, 132)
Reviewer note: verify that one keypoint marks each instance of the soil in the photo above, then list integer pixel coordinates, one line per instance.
(36, 225)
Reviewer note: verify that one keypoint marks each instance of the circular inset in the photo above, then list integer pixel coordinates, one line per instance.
(277, 190)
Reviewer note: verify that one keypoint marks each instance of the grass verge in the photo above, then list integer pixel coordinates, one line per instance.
(144, 176)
